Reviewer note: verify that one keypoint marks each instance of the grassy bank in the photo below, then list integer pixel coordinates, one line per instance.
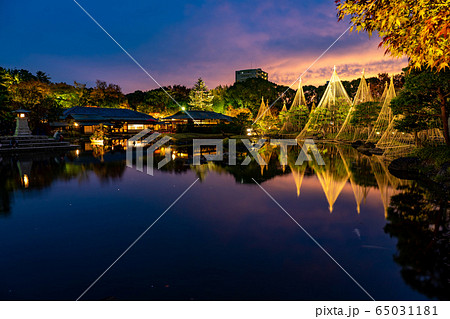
(435, 156)
(435, 163)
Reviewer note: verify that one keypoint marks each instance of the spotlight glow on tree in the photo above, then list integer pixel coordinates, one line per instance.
(200, 98)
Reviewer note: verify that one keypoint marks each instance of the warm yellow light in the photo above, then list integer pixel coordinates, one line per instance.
(135, 126)
(22, 115)
(183, 108)
(77, 152)
(25, 181)
(76, 124)
(249, 130)
(173, 156)
(378, 133)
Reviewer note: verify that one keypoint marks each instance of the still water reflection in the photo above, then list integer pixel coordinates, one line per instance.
(64, 218)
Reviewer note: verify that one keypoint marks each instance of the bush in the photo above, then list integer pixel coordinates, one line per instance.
(435, 154)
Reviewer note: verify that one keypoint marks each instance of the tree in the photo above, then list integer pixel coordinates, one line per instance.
(107, 95)
(424, 102)
(418, 217)
(200, 98)
(242, 119)
(43, 77)
(329, 120)
(219, 98)
(365, 114)
(6, 117)
(136, 99)
(35, 96)
(180, 93)
(67, 95)
(248, 93)
(158, 100)
(418, 29)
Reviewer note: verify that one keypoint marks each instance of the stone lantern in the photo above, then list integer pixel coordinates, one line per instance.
(22, 128)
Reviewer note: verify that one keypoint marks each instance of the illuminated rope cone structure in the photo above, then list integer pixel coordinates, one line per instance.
(284, 109)
(347, 132)
(385, 117)
(298, 109)
(264, 111)
(329, 115)
(392, 141)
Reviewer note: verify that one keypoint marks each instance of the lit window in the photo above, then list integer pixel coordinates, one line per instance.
(135, 126)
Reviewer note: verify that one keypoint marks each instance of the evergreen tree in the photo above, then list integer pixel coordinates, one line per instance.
(200, 98)
(365, 114)
(424, 102)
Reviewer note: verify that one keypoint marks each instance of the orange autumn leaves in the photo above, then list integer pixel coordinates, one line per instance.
(419, 29)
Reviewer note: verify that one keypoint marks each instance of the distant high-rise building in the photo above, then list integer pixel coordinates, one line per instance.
(243, 75)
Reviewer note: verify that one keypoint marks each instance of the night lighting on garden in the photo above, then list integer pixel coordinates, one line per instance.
(21, 113)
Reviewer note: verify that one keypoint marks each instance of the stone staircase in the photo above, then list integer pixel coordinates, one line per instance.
(32, 143)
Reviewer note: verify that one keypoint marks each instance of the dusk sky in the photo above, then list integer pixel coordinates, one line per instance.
(179, 41)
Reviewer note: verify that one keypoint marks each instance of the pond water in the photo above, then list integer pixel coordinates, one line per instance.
(64, 218)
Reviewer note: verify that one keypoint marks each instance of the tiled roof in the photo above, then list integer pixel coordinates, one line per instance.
(199, 115)
(99, 113)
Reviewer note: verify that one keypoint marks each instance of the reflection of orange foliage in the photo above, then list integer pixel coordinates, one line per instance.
(99, 150)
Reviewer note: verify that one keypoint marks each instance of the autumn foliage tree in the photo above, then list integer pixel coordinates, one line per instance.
(419, 29)
(107, 95)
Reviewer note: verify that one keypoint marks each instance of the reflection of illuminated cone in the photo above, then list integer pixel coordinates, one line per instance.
(387, 183)
(266, 154)
(360, 192)
(331, 183)
(331, 186)
(298, 175)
